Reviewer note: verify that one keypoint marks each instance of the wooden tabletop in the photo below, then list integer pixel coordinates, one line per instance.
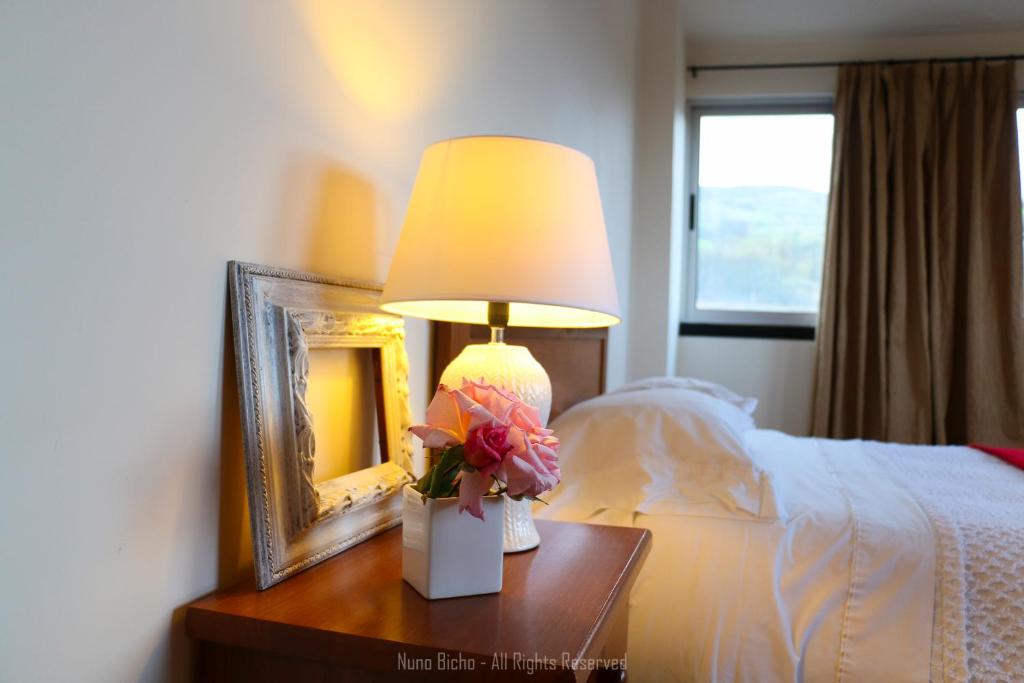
(355, 608)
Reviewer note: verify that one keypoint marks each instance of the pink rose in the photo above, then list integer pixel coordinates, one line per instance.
(502, 439)
(503, 404)
(485, 448)
(531, 466)
(451, 416)
(473, 486)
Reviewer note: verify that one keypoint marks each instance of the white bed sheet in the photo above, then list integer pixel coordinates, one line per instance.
(842, 591)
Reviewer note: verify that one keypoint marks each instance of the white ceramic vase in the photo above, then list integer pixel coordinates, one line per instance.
(514, 368)
(446, 554)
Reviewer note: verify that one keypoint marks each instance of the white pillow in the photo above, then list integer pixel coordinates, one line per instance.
(747, 405)
(659, 452)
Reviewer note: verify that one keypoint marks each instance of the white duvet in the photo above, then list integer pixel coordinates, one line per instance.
(897, 563)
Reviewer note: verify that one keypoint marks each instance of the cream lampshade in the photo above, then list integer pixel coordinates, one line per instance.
(504, 231)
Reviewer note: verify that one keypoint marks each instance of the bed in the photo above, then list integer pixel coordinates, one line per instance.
(800, 559)
(886, 563)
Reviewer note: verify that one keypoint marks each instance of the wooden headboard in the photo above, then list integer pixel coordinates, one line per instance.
(574, 359)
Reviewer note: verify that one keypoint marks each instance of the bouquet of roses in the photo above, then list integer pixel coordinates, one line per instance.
(488, 437)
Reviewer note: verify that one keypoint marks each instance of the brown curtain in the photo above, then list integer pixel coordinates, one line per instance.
(921, 330)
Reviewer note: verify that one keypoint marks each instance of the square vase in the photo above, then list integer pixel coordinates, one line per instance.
(446, 554)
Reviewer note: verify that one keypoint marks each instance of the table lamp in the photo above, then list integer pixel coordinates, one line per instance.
(504, 231)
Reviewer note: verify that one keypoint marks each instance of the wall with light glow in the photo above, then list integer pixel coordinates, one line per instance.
(146, 144)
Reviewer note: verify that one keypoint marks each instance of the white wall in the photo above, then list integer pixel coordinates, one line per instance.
(781, 373)
(142, 146)
(657, 191)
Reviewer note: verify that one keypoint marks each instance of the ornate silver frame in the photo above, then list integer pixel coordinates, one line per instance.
(278, 316)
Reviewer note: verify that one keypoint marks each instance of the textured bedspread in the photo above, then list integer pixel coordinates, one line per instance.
(975, 504)
(896, 563)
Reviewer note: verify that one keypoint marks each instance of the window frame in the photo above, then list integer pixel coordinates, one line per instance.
(697, 322)
(1020, 178)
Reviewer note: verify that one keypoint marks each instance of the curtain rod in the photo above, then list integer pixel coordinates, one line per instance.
(694, 70)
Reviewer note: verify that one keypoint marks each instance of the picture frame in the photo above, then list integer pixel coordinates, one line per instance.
(279, 316)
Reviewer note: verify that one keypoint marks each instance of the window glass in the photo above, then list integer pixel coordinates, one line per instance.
(1020, 146)
(762, 201)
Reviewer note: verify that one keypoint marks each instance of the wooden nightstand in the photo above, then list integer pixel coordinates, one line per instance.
(562, 612)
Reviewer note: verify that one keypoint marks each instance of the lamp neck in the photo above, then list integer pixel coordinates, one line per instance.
(497, 320)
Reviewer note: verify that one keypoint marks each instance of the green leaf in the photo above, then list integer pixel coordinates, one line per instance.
(442, 483)
(423, 485)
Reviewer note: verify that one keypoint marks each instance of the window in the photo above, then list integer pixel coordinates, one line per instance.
(1020, 160)
(759, 182)
(1020, 147)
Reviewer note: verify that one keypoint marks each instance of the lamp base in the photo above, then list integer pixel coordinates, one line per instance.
(513, 368)
(520, 531)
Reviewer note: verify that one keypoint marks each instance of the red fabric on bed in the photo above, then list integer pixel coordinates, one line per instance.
(1014, 456)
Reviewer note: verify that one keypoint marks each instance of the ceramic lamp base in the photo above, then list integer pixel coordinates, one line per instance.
(513, 368)
(520, 531)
